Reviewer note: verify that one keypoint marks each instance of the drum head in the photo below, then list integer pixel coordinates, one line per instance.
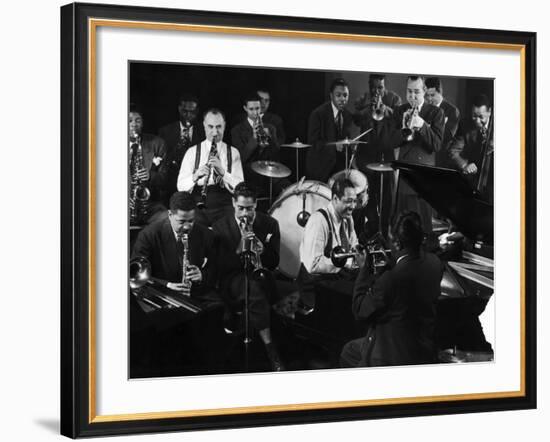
(286, 209)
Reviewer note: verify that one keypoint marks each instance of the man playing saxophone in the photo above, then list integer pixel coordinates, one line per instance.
(147, 172)
(172, 245)
(211, 170)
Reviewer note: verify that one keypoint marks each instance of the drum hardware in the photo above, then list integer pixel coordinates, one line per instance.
(380, 167)
(296, 145)
(339, 256)
(346, 142)
(270, 169)
(286, 210)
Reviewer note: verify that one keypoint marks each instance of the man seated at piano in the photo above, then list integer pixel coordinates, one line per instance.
(326, 230)
(399, 306)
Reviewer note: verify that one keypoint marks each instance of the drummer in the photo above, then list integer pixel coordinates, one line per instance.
(257, 141)
(327, 228)
(329, 122)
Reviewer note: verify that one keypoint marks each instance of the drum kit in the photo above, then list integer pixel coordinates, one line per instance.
(297, 202)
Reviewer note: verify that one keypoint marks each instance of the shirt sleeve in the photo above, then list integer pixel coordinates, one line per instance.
(312, 252)
(236, 176)
(185, 177)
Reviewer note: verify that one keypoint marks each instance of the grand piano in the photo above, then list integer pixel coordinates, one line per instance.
(464, 242)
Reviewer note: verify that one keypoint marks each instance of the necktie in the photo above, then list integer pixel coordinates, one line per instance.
(344, 234)
(339, 124)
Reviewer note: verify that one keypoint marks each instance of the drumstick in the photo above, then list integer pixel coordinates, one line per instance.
(360, 135)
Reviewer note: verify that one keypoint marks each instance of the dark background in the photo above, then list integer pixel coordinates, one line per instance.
(155, 88)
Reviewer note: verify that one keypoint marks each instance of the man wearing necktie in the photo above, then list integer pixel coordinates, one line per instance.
(329, 122)
(472, 150)
(190, 344)
(326, 229)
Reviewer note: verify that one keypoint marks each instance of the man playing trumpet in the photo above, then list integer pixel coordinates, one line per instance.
(256, 141)
(211, 170)
(416, 129)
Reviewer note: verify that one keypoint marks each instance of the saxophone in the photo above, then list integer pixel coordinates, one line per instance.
(139, 192)
(185, 263)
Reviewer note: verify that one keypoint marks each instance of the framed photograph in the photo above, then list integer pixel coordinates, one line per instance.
(309, 223)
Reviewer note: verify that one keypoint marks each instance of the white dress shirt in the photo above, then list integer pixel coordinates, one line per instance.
(230, 180)
(314, 240)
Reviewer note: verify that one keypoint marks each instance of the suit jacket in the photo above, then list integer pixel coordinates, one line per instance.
(158, 244)
(242, 137)
(467, 147)
(320, 158)
(175, 151)
(425, 143)
(277, 122)
(399, 309)
(452, 117)
(228, 236)
(151, 147)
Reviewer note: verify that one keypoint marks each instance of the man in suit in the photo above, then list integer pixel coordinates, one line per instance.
(329, 122)
(398, 307)
(434, 95)
(416, 128)
(246, 226)
(215, 161)
(269, 117)
(147, 164)
(377, 102)
(472, 150)
(180, 342)
(256, 140)
(179, 136)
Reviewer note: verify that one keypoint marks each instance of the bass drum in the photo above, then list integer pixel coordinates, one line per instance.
(286, 209)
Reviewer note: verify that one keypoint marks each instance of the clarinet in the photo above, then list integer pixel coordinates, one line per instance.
(204, 191)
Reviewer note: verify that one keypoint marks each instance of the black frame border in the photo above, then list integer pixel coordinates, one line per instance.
(75, 219)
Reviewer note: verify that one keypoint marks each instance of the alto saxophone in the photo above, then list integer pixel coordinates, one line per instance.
(139, 192)
(185, 263)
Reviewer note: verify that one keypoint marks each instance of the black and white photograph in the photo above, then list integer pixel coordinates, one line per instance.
(302, 219)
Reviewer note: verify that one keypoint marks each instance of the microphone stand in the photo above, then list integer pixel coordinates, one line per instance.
(246, 258)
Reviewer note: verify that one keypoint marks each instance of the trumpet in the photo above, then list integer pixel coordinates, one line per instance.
(250, 248)
(139, 192)
(377, 109)
(261, 135)
(339, 256)
(408, 129)
(204, 192)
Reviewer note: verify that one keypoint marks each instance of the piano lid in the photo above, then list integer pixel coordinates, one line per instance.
(448, 192)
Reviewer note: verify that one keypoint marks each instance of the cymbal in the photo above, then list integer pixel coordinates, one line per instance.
(346, 142)
(270, 169)
(296, 145)
(380, 167)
